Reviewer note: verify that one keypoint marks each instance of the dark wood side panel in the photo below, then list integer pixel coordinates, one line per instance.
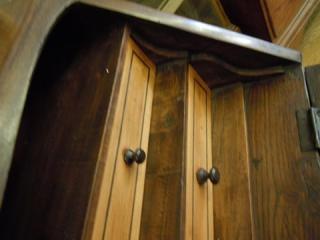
(231, 196)
(163, 196)
(285, 181)
(60, 133)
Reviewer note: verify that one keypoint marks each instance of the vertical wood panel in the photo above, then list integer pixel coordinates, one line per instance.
(200, 193)
(125, 202)
(231, 196)
(60, 134)
(198, 155)
(97, 209)
(285, 181)
(145, 134)
(163, 198)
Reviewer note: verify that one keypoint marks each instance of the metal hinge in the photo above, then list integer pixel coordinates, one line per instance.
(315, 118)
(309, 128)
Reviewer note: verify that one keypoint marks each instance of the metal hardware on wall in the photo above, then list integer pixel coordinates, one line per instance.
(309, 128)
(315, 118)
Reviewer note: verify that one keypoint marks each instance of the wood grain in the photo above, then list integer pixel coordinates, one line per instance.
(95, 218)
(124, 201)
(60, 154)
(231, 196)
(293, 33)
(25, 25)
(285, 181)
(162, 214)
(61, 129)
(198, 223)
(280, 13)
(280, 21)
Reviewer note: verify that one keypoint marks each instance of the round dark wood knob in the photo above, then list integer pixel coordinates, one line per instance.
(214, 175)
(137, 156)
(203, 175)
(140, 156)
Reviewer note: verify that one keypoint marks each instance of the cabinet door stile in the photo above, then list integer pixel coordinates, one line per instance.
(122, 205)
(119, 204)
(209, 164)
(106, 161)
(199, 223)
(137, 211)
(189, 161)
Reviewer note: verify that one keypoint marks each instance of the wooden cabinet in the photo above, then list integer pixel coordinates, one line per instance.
(86, 106)
(119, 122)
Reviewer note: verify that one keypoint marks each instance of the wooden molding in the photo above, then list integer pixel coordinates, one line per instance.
(297, 25)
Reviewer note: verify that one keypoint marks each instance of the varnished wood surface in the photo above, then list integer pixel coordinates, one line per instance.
(279, 21)
(162, 214)
(122, 216)
(26, 23)
(198, 209)
(96, 211)
(232, 208)
(293, 33)
(280, 13)
(59, 138)
(285, 181)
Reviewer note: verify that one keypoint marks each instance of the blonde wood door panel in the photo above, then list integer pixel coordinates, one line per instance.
(199, 223)
(119, 206)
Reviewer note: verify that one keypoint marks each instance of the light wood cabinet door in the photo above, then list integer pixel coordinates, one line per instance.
(199, 219)
(119, 206)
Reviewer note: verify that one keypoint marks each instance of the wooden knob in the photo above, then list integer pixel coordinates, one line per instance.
(140, 156)
(214, 175)
(137, 156)
(203, 175)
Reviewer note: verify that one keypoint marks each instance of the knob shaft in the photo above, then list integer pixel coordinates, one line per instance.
(137, 156)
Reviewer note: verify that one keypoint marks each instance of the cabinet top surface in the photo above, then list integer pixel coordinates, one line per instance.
(195, 27)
